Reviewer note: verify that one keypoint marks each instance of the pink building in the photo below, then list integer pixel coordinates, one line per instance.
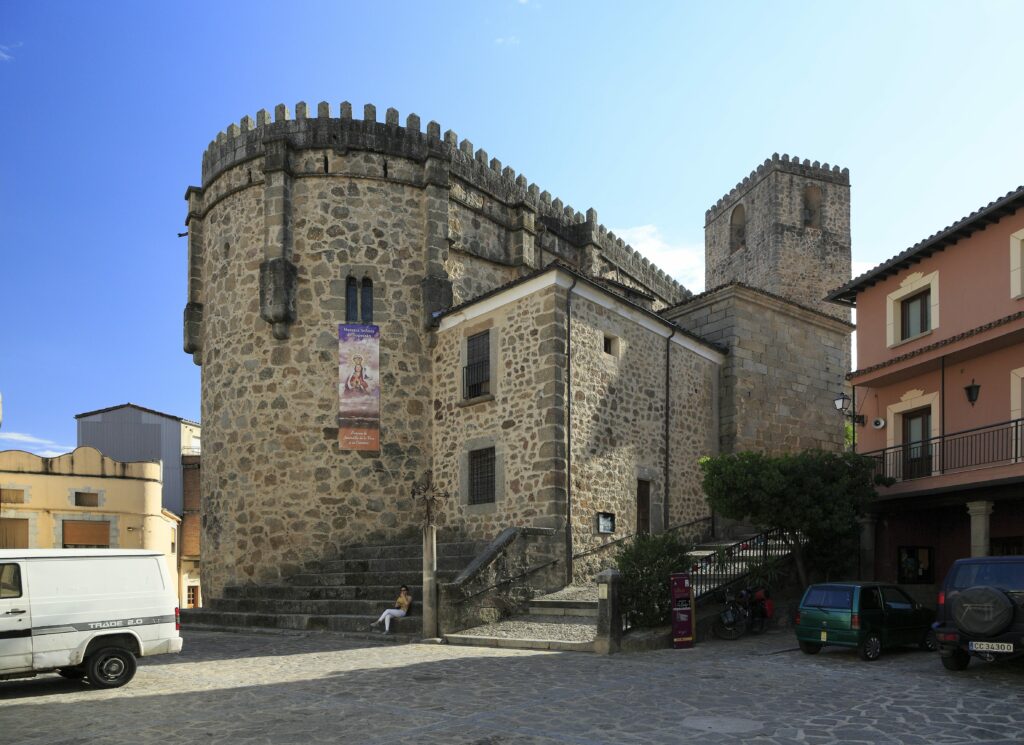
(940, 351)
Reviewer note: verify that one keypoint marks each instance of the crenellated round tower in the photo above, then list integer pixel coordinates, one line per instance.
(302, 224)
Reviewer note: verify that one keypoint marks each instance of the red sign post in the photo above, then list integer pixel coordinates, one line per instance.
(683, 608)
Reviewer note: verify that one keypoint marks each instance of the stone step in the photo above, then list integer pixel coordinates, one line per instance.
(414, 564)
(394, 579)
(296, 621)
(410, 550)
(302, 607)
(554, 645)
(581, 608)
(381, 593)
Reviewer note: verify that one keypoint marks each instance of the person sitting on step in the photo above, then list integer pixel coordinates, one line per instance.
(402, 605)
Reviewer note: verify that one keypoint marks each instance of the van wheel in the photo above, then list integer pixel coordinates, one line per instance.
(810, 647)
(959, 660)
(871, 648)
(110, 667)
(71, 673)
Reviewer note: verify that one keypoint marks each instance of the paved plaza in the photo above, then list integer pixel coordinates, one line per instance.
(321, 688)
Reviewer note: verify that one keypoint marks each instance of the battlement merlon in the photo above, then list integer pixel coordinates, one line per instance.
(786, 164)
(244, 141)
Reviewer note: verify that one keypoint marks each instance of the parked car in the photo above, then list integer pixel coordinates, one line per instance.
(981, 611)
(865, 615)
(84, 613)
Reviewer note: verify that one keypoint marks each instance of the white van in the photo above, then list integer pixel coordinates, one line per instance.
(84, 613)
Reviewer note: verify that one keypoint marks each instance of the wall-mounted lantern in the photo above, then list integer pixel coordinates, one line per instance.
(972, 392)
(842, 404)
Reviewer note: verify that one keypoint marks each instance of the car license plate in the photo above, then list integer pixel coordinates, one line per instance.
(824, 636)
(990, 646)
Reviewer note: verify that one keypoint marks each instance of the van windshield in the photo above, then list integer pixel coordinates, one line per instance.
(1004, 575)
(829, 597)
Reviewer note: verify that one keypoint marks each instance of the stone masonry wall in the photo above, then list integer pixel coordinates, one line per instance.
(278, 489)
(618, 429)
(783, 255)
(786, 365)
(521, 418)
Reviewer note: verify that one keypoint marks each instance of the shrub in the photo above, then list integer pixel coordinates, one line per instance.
(646, 563)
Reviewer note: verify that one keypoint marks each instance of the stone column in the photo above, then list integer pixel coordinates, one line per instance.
(980, 530)
(609, 613)
(867, 546)
(429, 582)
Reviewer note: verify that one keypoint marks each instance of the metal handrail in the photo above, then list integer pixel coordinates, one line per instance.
(731, 563)
(991, 444)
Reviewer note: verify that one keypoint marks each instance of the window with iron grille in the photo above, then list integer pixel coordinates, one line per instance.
(476, 375)
(481, 476)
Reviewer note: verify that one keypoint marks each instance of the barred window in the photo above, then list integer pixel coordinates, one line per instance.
(481, 476)
(476, 376)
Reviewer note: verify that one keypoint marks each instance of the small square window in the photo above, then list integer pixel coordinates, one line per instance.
(87, 499)
(611, 345)
(481, 476)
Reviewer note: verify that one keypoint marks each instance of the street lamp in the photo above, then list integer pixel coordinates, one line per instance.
(842, 403)
(972, 392)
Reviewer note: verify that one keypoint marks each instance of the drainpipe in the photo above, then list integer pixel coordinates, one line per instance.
(568, 432)
(853, 422)
(668, 449)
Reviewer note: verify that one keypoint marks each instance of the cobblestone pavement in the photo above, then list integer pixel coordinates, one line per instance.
(320, 688)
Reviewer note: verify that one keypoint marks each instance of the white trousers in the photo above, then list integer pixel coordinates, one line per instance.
(387, 615)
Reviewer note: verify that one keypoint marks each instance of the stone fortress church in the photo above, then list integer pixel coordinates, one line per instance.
(546, 373)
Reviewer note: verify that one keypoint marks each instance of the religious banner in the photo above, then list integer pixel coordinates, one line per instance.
(359, 387)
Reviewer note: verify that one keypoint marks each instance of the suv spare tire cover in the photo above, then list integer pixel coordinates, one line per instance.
(982, 610)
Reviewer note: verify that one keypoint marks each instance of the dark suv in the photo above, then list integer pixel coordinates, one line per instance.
(981, 611)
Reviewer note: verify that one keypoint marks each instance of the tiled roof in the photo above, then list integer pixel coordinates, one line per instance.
(560, 266)
(977, 220)
(759, 291)
(936, 345)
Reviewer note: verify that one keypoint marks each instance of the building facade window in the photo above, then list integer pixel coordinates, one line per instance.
(738, 228)
(12, 496)
(913, 309)
(85, 534)
(358, 300)
(611, 345)
(476, 375)
(87, 499)
(915, 315)
(482, 476)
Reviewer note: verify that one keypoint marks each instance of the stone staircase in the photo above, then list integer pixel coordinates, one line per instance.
(343, 594)
(564, 621)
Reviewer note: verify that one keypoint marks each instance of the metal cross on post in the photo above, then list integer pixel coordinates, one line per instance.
(424, 493)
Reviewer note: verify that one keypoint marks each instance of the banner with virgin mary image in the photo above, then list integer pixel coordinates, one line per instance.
(359, 387)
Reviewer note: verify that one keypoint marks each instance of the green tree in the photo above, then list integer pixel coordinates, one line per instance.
(816, 494)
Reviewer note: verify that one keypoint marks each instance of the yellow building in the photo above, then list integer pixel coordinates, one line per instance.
(83, 499)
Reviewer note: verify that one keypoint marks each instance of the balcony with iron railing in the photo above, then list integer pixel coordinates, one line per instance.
(957, 455)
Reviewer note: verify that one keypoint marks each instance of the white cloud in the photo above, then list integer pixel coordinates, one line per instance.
(684, 262)
(31, 443)
(508, 41)
(5, 51)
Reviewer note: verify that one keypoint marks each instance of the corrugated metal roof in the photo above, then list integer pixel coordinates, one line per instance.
(140, 408)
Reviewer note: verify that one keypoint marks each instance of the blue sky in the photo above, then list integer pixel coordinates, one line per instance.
(648, 112)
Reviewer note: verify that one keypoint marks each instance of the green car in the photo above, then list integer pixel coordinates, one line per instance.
(864, 615)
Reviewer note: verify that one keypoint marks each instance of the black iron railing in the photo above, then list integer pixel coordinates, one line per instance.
(731, 563)
(476, 379)
(992, 445)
